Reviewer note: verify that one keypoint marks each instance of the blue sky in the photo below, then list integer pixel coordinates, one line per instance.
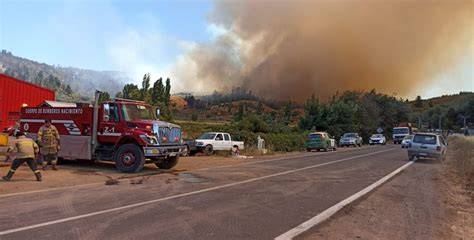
(101, 35)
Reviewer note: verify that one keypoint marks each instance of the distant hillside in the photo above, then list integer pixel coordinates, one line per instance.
(455, 101)
(70, 84)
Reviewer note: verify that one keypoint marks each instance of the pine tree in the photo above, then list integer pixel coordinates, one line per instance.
(144, 92)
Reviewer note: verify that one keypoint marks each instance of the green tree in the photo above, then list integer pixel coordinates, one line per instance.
(68, 90)
(315, 115)
(259, 110)
(287, 110)
(241, 113)
(104, 96)
(144, 92)
(39, 78)
(194, 117)
(167, 93)
(157, 92)
(418, 102)
(450, 119)
(131, 91)
(190, 100)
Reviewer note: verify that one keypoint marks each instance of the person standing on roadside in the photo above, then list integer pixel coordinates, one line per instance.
(48, 139)
(26, 150)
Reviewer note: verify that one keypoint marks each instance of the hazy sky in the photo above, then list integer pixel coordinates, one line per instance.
(141, 36)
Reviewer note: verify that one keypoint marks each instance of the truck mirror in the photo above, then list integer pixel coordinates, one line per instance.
(106, 112)
(157, 113)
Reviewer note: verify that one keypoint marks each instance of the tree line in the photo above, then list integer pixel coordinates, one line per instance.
(158, 95)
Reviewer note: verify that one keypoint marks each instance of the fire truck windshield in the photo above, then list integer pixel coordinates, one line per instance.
(137, 112)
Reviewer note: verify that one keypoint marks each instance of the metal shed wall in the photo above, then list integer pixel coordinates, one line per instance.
(14, 93)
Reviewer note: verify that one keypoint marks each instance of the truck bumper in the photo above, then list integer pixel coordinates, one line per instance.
(425, 154)
(163, 151)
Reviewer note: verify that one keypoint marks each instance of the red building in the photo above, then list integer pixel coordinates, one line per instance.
(14, 94)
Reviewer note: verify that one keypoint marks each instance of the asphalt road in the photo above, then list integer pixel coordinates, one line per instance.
(260, 200)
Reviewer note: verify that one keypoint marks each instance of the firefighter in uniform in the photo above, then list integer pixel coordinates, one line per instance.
(48, 139)
(26, 150)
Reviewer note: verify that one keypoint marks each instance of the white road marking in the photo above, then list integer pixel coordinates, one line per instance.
(20, 229)
(278, 159)
(50, 189)
(326, 214)
(201, 169)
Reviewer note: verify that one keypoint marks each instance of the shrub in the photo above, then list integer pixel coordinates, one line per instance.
(461, 158)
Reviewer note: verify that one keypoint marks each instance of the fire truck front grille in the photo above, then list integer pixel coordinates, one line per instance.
(175, 134)
(169, 135)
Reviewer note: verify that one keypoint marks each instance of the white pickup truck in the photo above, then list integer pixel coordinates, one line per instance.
(209, 142)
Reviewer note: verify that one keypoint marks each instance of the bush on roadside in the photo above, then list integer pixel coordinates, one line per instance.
(461, 158)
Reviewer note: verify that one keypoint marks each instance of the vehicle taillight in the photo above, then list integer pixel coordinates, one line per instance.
(176, 139)
(148, 127)
(165, 139)
(438, 148)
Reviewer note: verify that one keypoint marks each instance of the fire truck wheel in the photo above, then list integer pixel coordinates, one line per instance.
(168, 162)
(186, 154)
(129, 158)
(208, 150)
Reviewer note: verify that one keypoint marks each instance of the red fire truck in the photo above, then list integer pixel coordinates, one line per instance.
(124, 131)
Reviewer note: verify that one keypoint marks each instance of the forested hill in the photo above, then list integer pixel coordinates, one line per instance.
(70, 84)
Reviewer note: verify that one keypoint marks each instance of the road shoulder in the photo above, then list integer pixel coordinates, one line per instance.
(417, 204)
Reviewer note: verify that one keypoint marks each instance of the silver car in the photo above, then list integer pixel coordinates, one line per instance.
(427, 145)
(377, 139)
(350, 139)
(407, 141)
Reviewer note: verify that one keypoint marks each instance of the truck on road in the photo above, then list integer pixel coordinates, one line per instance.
(209, 142)
(124, 131)
(400, 132)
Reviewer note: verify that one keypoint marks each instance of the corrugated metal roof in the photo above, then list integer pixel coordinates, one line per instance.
(58, 104)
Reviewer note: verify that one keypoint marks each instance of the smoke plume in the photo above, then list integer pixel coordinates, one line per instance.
(292, 49)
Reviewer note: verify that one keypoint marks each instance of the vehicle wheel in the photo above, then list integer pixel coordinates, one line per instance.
(411, 157)
(185, 154)
(208, 150)
(309, 149)
(129, 158)
(318, 150)
(334, 148)
(360, 144)
(192, 153)
(167, 163)
(326, 149)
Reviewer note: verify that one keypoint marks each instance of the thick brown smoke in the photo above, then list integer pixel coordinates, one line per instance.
(291, 49)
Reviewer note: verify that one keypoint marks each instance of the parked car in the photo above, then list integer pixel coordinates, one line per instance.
(216, 141)
(320, 141)
(406, 141)
(191, 147)
(469, 132)
(427, 145)
(350, 139)
(377, 139)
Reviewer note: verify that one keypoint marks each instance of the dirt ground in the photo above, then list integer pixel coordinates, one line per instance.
(419, 203)
(73, 173)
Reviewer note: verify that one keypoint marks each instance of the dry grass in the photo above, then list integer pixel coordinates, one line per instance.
(461, 159)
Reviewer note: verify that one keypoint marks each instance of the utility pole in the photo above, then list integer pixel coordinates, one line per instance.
(439, 123)
(419, 123)
(464, 117)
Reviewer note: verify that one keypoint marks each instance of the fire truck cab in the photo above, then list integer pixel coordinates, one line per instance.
(125, 131)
